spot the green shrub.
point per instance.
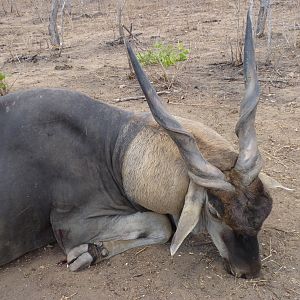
(166, 54)
(3, 85)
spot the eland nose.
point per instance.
(240, 273)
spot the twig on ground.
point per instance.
(141, 250)
(270, 251)
(256, 281)
(232, 79)
(260, 80)
(265, 258)
(282, 230)
(138, 97)
(68, 297)
(293, 291)
(196, 105)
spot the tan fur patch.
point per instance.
(215, 148)
(154, 174)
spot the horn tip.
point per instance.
(173, 249)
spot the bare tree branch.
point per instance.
(120, 6)
(138, 97)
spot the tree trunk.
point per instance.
(262, 17)
(120, 6)
(54, 36)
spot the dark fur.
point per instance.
(61, 154)
(247, 207)
(244, 211)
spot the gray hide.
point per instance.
(61, 155)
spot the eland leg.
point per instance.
(118, 234)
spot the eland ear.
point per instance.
(190, 214)
(271, 183)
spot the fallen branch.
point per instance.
(140, 251)
(138, 97)
(197, 105)
(232, 79)
(260, 80)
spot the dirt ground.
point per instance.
(205, 88)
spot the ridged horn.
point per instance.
(200, 170)
(249, 162)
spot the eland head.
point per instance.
(233, 204)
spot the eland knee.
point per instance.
(160, 226)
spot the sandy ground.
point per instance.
(206, 88)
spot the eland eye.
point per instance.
(215, 206)
(213, 211)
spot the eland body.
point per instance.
(101, 180)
